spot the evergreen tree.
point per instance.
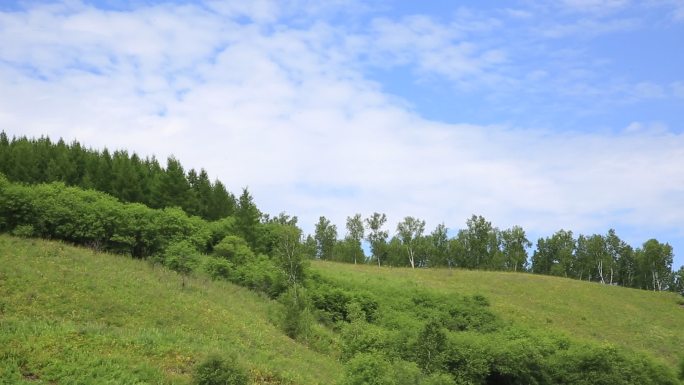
(175, 189)
(247, 219)
(221, 203)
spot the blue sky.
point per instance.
(546, 114)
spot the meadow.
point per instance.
(639, 320)
(72, 316)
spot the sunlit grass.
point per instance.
(639, 320)
(73, 316)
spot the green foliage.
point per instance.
(288, 253)
(297, 320)
(457, 339)
(681, 368)
(430, 347)
(247, 219)
(369, 369)
(585, 365)
(181, 257)
(260, 274)
(438, 379)
(215, 370)
(24, 231)
(376, 236)
(124, 176)
(456, 313)
(325, 236)
(97, 220)
(73, 316)
(359, 337)
(218, 268)
(334, 303)
(234, 248)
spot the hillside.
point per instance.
(72, 316)
(636, 319)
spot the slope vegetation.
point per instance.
(642, 321)
(72, 316)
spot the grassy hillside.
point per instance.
(639, 320)
(72, 316)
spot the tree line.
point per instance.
(422, 338)
(601, 258)
(120, 174)
(130, 179)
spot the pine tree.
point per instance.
(247, 218)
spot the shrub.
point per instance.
(218, 268)
(430, 347)
(181, 257)
(438, 379)
(260, 274)
(215, 370)
(24, 231)
(681, 368)
(584, 364)
(234, 249)
(369, 369)
(359, 337)
(296, 320)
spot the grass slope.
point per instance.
(639, 320)
(72, 316)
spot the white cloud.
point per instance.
(595, 6)
(589, 27)
(287, 112)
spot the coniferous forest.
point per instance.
(382, 334)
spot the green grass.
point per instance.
(72, 316)
(639, 320)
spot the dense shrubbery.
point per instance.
(95, 219)
(435, 339)
(412, 337)
(215, 370)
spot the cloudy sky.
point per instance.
(546, 114)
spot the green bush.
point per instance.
(681, 368)
(585, 365)
(181, 257)
(438, 379)
(333, 303)
(455, 313)
(296, 321)
(359, 337)
(24, 231)
(215, 370)
(369, 369)
(218, 268)
(260, 274)
(234, 248)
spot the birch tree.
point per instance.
(377, 237)
(410, 230)
(355, 232)
(514, 247)
(655, 263)
(325, 236)
(439, 246)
